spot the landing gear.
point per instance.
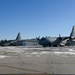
(54, 45)
(49, 44)
(44, 46)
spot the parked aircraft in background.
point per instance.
(58, 41)
(45, 41)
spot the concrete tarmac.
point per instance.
(30, 60)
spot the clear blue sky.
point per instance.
(33, 18)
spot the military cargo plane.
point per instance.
(58, 41)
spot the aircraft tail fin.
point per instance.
(18, 38)
(72, 35)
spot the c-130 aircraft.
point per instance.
(58, 41)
